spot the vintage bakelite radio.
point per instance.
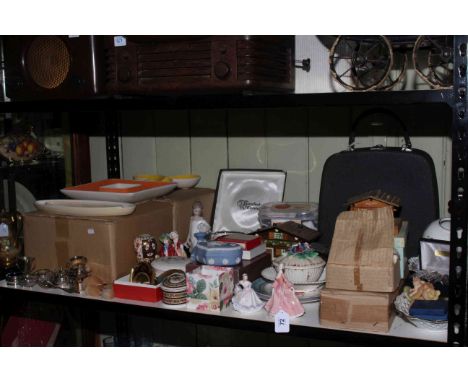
(43, 67)
(152, 65)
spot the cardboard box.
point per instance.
(210, 288)
(123, 288)
(107, 242)
(369, 311)
(181, 202)
(362, 252)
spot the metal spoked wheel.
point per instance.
(361, 63)
(433, 60)
(397, 73)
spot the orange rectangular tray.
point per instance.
(106, 186)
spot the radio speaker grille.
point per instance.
(48, 62)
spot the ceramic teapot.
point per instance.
(10, 245)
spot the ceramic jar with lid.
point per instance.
(301, 267)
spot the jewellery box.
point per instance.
(239, 196)
(123, 288)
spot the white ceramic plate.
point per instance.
(264, 288)
(270, 274)
(126, 197)
(84, 207)
(240, 194)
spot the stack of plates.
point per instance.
(307, 293)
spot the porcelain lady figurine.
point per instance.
(283, 297)
(195, 221)
(245, 299)
(167, 248)
(178, 247)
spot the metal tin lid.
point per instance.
(175, 282)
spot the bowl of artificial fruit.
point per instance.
(20, 148)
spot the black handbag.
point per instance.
(400, 171)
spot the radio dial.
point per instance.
(222, 70)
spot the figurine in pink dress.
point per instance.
(283, 297)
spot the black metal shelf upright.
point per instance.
(456, 99)
(457, 330)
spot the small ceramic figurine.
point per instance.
(423, 290)
(167, 248)
(245, 299)
(145, 248)
(283, 297)
(178, 247)
(195, 221)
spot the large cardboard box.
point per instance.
(362, 252)
(369, 311)
(107, 242)
(182, 201)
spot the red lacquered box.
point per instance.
(134, 291)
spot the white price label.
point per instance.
(120, 41)
(3, 230)
(91, 231)
(281, 322)
(73, 36)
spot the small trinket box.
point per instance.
(123, 288)
(174, 289)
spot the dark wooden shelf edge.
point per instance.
(351, 338)
(233, 101)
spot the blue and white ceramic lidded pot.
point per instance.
(218, 253)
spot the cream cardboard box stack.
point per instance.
(363, 273)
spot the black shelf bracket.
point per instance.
(457, 315)
(113, 125)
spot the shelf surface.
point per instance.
(401, 332)
(233, 101)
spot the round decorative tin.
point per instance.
(145, 247)
(174, 289)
